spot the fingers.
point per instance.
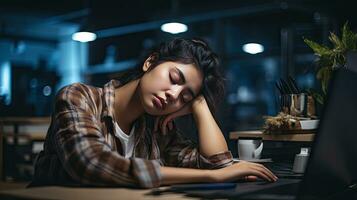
(251, 178)
(271, 174)
(168, 119)
(267, 171)
(171, 125)
(163, 127)
(156, 125)
(161, 123)
(258, 172)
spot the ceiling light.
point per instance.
(84, 36)
(174, 28)
(253, 48)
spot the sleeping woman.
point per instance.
(125, 134)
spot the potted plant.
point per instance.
(330, 59)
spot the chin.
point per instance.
(153, 112)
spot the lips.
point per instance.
(159, 102)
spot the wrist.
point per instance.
(198, 103)
(212, 175)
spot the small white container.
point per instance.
(309, 124)
(300, 161)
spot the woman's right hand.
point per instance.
(242, 170)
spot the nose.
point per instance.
(173, 93)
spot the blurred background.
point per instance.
(40, 53)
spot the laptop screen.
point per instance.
(332, 167)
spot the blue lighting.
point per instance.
(72, 63)
(5, 82)
(47, 90)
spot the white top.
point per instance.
(127, 141)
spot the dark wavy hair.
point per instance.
(186, 51)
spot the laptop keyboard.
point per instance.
(283, 170)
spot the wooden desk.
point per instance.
(299, 137)
(56, 192)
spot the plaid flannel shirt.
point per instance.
(81, 149)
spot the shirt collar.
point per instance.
(109, 94)
(108, 113)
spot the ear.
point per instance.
(148, 61)
(147, 64)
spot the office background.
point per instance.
(38, 54)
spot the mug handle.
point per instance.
(258, 151)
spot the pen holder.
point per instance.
(299, 105)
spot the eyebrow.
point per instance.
(184, 81)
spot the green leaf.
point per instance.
(319, 50)
(330, 59)
(349, 39)
(324, 75)
(339, 45)
(324, 61)
(339, 60)
(319, 98)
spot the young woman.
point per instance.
(103, 137)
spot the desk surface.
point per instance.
(300, 137)
(56, 192)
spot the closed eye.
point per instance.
(173, 79)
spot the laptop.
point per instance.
(332, 167)
(331, 172)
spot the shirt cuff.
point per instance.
(147, 172)
(216, 161)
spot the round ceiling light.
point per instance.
(84, 36)
(174, 27)
(253, 48)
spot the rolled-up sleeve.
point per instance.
(83, 151)
(183, 152)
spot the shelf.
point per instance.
(19, 131)
(25, 120)
(298, 137)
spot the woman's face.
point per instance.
(168, 87)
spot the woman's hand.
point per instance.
(165, 122)
(242, 170)
(246, 171)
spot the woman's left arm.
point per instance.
(211, 139)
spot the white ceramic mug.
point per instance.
(250, 149)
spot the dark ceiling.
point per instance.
(105, 13)
(251, 19)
